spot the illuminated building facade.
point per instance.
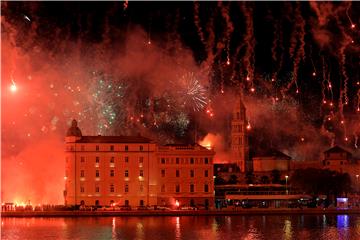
(128, 170)
(185, 175)
(239, 139)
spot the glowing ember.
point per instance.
(13, 87)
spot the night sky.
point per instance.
(171, 71)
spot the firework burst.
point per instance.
(192, 93)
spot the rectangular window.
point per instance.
(141, 148)
(192, 173)
(177, 173)
(82, 189)
(112, 189)
(126, 159)
(97, 147)
(162, 160)
(82, 148)
(97, 159)
(126, 173)
(163, 188)
(206, 188)
(112, 160)
(111, 147)
(162, 172)
(192, 187)
(112, 173)
(126, 148)
(141, 188)
(206, 160)
(141, 202)
(177, 188)
(141, 160)
(82, 173)
(177, 160)
(206, 173)
(191, 160)
(82, 159)
(141, 173)
(97, 189)
(126, 188)
(97, 173)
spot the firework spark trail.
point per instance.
(277, 43)
(297, 41)
(126, 4)
(249, 39)
(352, 25)
(198, 23)
(229, 27)
(274, 42)
(236, 64)
(344, 44)
(208, 63)
(323, 80)
(358, 101)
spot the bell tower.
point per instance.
(239, 138)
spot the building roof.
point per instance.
(185, 145)
(337, 149)
(114, 139)
(274, 153)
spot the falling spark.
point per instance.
(27, 18)
(13, 87)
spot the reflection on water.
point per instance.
(185, 227)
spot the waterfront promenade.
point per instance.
(277, 211)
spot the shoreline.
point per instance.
(153, 213)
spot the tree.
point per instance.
(232, 179)
(321, 181)
(249, 177)
(265, 179)
(219, 181)
(275, 176)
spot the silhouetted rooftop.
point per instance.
(273, 153)
(337, 149)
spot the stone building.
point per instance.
(239, 137)
(134, 170)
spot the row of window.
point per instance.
(191, 188)
(97, 202)
(111, 148)
(112, 173)
(177, 173)
(184, 160)
(141, 188)
(238, 141)
(112, 188)
(141, 173)
(142, 202)
(112, 159)
(238, 128)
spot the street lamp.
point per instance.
(357, 182)
(286, 179)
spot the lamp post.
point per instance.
(357, 183)
(286, 179)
